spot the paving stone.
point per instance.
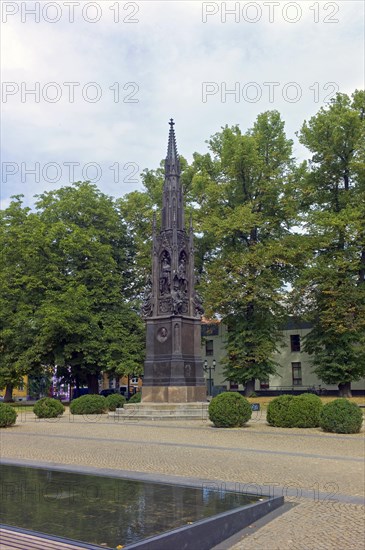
(309, 466)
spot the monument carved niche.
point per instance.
(147, 304)
(177, 341)
(165, 277)
(183, 282)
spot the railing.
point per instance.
(317, 390)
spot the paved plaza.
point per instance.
(321, 475)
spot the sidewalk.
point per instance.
(322, 474)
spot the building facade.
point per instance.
(293, 375)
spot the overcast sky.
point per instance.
(108, 76)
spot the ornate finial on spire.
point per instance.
(172, 123)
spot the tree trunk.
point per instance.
(344, 390)
(92, 383)
(249, 387)
(8, 397)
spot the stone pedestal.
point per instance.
(174, 394)
(173, 371)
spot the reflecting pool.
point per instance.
(106, 511)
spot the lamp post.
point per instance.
(209, 369)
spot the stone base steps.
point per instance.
(163, 411)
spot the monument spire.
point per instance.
(173, 200)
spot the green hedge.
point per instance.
(48, 408)
(341, 416)
(289, 411)
(136, 398)
(88, 404)
(305, 410)
(229, 410)
(115, 401)
(7, 415)
(278, 411)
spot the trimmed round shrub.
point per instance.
(48, 408)
(136, 398)
(300, 411)
(7, 415)
(341, 416)
(229, 410)
(278, 411)
(88, 404)
(305, 411)
(115, 401)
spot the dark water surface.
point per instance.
(104, 510)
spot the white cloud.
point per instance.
(168, 54)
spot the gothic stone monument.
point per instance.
(173, 371)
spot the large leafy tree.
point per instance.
(247, 206)
(77, 295)
(21, 291)
(331, 286)
(89, 320)
(138, 209)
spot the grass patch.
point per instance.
(20, 408)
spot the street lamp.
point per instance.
(209, 369)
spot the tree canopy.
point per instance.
(75, 285)
(273, 237)
(246, 207)
(21, 289)
(330, 288)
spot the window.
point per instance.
(295, 342)
(134, 380)
(210, 330)
(21, 386)
(233, 386)
(297, 373)
(209, 347)
(264, 384)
